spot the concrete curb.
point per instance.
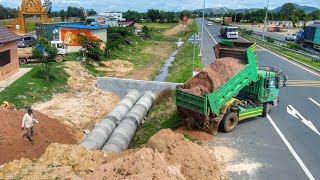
(121, 86)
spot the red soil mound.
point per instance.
(15, 145)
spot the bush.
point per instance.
(92, 45)
(270, 40)
(146, 31)
(292, 45)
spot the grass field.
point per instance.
(33, 87)
(30, 26)
(159, 26)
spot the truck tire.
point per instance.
(59, 58)
(22, 61)
(265, 109)
(229, 121)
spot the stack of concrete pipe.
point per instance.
(103, 130)
(122, 136)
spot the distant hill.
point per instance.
(307, 9)
(223, 10)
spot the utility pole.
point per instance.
(204, 5)
(265, 20)
(235, 15)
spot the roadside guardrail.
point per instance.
(314, 58)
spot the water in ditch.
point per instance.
(165, 69)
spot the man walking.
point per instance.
(27, 122)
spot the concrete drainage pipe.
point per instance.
(122, 136)
(103, 130)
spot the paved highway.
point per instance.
(286, 144)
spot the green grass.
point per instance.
(160, 26)
(162, 115)
(302, 59)
(33, 87)
(181, 70)
(30, 26)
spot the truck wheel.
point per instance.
(265, 109)
(22, 61)
(229, 121)
(59, 58)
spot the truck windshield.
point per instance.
(232, 30)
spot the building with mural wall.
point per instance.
(68, 34)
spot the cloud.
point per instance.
(169, 5)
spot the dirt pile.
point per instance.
(197, 135)
(84, 105)
(80, 78)
(15, 145)
(195, 161)
(213, 77)
(118, 68)
(143, 164)
(58, 162)
(175, 30)
(168, 155)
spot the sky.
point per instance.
(168, 5)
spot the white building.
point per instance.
(113, 15)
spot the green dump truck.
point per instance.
(247, 94)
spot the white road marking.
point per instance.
(314, 102)
(291, 110)
(293, 152)
(208, 32)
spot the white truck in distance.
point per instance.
(229, 32)
(25, 54)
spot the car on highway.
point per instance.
(291, 37)
(26, 41)
(209, 23)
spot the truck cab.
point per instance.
(265, 91)
(229, 32)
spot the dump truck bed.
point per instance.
(218, 98)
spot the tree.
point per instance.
(153, 14)
(62, 14)
(91, 44)
(132, 16)
(46, 53)
(315, 15)
(287, 10)
(48, 5)
(91, 12)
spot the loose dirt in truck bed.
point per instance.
(84, 105)
(15, 145)
(168, 155)
(213, 77)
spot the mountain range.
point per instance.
(223, 10)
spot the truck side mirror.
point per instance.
(285, 81)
